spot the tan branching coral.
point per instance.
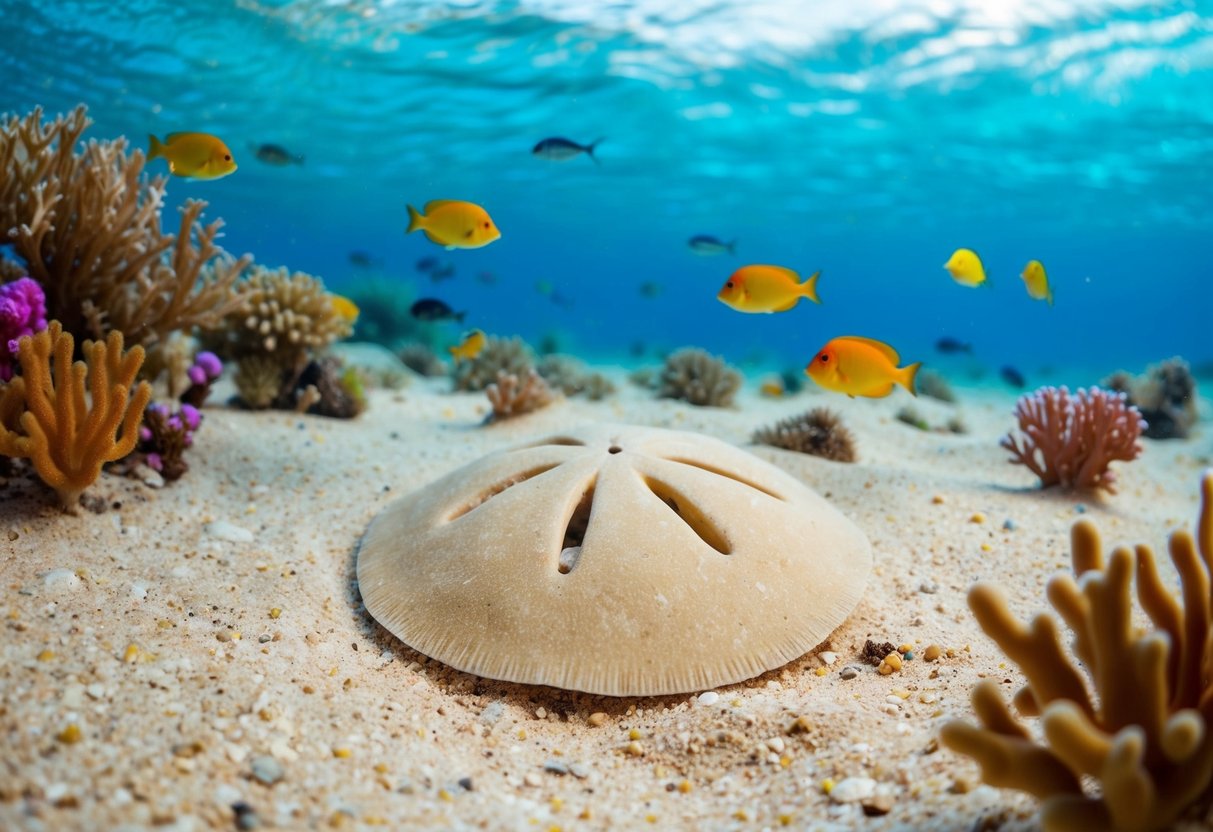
(86, 224)
(699, 378)
(1071, 439)
(67, 435)
(513, 396)
(819, 432)
(1142, 730)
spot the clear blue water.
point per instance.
(868, 143)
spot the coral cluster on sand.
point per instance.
(86, 225)
(699, 378)
(422, 360)
(70, 418)
(1127, 743)
(510, 395)
(1071, 439)
(511, 356)
(22, 312)
(818, 432)
(573, 378)
(1165, 395)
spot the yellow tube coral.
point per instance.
(1142, 732)
(67, 435)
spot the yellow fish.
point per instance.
(773, 389)
(860, 367)
(196, 155)
(345, 307)
(767, 289)
(454, 224)
(1037, 282)
(965, 267)
(469, 347)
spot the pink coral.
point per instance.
(1071, 439)
(22, 312)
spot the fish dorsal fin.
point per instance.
(438, 203)
(884, 349)
(786, 272)
(172, 137)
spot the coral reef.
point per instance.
(326, 388)
(22, 312)
(260, 380)
(1070, 440)
(164, 436)
(699, 378)
(819, 432)
(512, 396)
(202, 373)
(66, 436)
(1165, 395)
(511, 356)
(1138, 724)
(422, 360)
(86, 225)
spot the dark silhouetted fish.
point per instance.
(950, 345)
(487, 278)
(1013, 377)
(426, 264)
(275, 154)
(557, 149)
(707, 244)
(650, 289)
(432, 309)
(363, 259)
(443, 272)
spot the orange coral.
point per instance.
(67, 437)
(1136, 723)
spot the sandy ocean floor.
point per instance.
(208, 641)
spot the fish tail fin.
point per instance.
(732, 247)
(906, 376)
(416, 220)
(154, 147)
(809, 287)
(589, 148)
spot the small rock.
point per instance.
(555, 767)
(1009, 525)
(880, 804)
(149, 477)
(579, 771)
(828, 657)
(708, 697)
(928, 587)
(853, 790)
(597, 719)
(492, 712)
(531, 779)
(465, 783)
(95, 691)
(246, 817)
(223, 530)
(932, 652)
(849, 672)
(266, 769)
(61, 579)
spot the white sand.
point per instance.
(370, 733)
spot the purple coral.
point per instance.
(22, 312)
(164, 436)
(1070, 440)
(202, 374)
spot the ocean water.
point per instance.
(865, 140)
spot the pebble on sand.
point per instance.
(230, 532)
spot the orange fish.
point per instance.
(773, 388)
(860, 367)
(767, 289)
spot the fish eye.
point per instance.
(825, 359)
(486, 225)
(227, 157)
(729, 285)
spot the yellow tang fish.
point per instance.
(470, 347)
(773, 389)
(965, 267)
(196, 155)
(767, 289)
(1037, 282)
(454, 224)
(345, 307)
(860, 367)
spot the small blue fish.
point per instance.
(557, 149)
(708, 245)
(1013, 377)
(950, 345)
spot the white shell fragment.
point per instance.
(615, 560)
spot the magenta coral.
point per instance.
(1070, 439)
(22, 312)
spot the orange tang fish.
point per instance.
(860, 367)
(767, 289)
